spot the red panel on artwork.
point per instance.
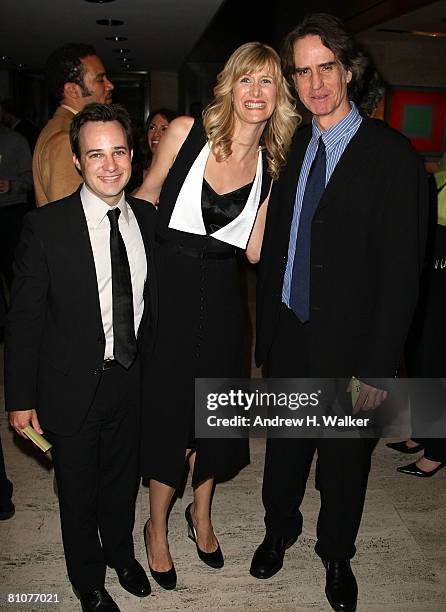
(400, 98)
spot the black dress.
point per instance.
(201, 330)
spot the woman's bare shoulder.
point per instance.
(181, 126)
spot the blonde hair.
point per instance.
(218, 116)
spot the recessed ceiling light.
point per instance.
(414, 32)
(21, 65)
(124, 60)
(116, 38)
(109, 22)
(430, 34)
(121, 50)
(6, 57)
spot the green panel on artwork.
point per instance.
(417, 120)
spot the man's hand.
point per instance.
(20, 419)
(369, 397)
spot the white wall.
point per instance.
(414, 61)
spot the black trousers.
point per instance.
(428, 405)
(11, 220)
(97, 478)
(5, 484)
(343, 465)
(434, 448)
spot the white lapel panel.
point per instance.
(187, 214)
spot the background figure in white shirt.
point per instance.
(15, 184)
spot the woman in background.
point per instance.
(426, 348)
(212, 179)
(156, 125)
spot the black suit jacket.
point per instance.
(367, 245)
(54, 335)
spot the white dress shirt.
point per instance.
(98, 224)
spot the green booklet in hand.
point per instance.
(38, 440)
(355, 389)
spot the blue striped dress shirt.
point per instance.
(335, 140)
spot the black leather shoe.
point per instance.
(96, 601)
(166, 580)
(213, 559)
(413, 470)
(7, 511)
(134, 579)
(268, 558)
(402, 447)
(341, 588)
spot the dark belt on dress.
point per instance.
(203, 253)
(109, 363)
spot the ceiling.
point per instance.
(427, 21)
(160, 33)
(163, 34)
(239, 22)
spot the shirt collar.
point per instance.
(333, 135)
(72, 110)
(96, 209)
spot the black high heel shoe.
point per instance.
(166, 580)
(413, 470)
(402, 447)
(213, 559)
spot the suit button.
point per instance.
(96, 371)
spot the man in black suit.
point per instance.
(337, 287)
(82, 319)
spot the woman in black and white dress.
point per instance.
(212, 179)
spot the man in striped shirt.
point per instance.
(337, 288)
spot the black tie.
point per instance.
(300, 280)
(124, 340)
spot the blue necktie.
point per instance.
(300, 281)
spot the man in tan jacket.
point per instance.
(76, 76)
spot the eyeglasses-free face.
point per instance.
(321, 81)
